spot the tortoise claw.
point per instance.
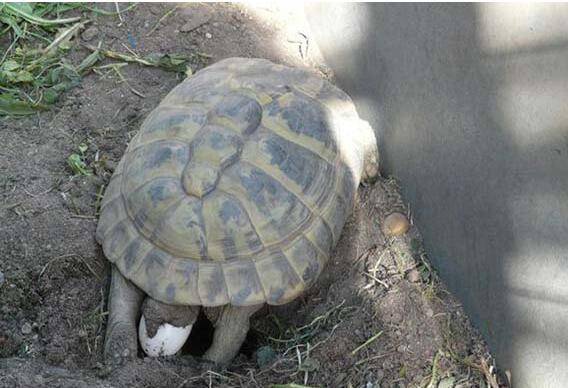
(121, 344)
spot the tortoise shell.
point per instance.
(235, 189)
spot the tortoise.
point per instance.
(231, 196)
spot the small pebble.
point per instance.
(265, 355)
(447, 382)
(429, 312)
(414, 276)
(339, 378)
(395, 317)
(208, 35)
(90, 33)
(396, 224)
(39, 380)
(26, 328)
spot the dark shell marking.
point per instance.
(234, 190)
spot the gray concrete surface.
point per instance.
(471, 105)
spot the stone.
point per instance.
(413, 276)
(265, 355)
(90, 33)
(195, 18)
(26, 328)
(396, 224)
(447, 382)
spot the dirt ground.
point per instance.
(378, 316)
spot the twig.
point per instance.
(323, 316)
(71, 30)
(42, 193)
(11, 47)
(130, 50)
(366, 343)
(109, 13)
(117, 55)
(373, 358)
(377, 280)
(118, 12)
(161, 20)
(99, 199)
(38, 20)
(9, 207)
(435, 373)
(115, 68)
(66, 257)
(83, 216)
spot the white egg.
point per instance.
(167, 341)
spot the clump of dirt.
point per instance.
(378, 315)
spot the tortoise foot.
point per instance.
(121, 343)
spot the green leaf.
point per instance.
(10, 105)
(77, 165)
(20, 10)
(170, 62)
(24, 76)
(26, 8)
(50, 96)
(12, 22)
(83, 147)
(10, 65)
(88, 62)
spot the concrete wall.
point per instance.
(471, 105)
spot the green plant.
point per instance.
(77, 162)
(33, 69)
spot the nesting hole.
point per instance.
(200, 338)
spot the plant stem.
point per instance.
(38, 20)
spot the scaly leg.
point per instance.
(231, 328)
(121, 340)
(368, 142)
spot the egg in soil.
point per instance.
(168, 340)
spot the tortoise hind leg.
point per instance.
(371, 153)
(360, 151)
(231, 328)
(121, 341)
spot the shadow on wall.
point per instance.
(469, 103)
